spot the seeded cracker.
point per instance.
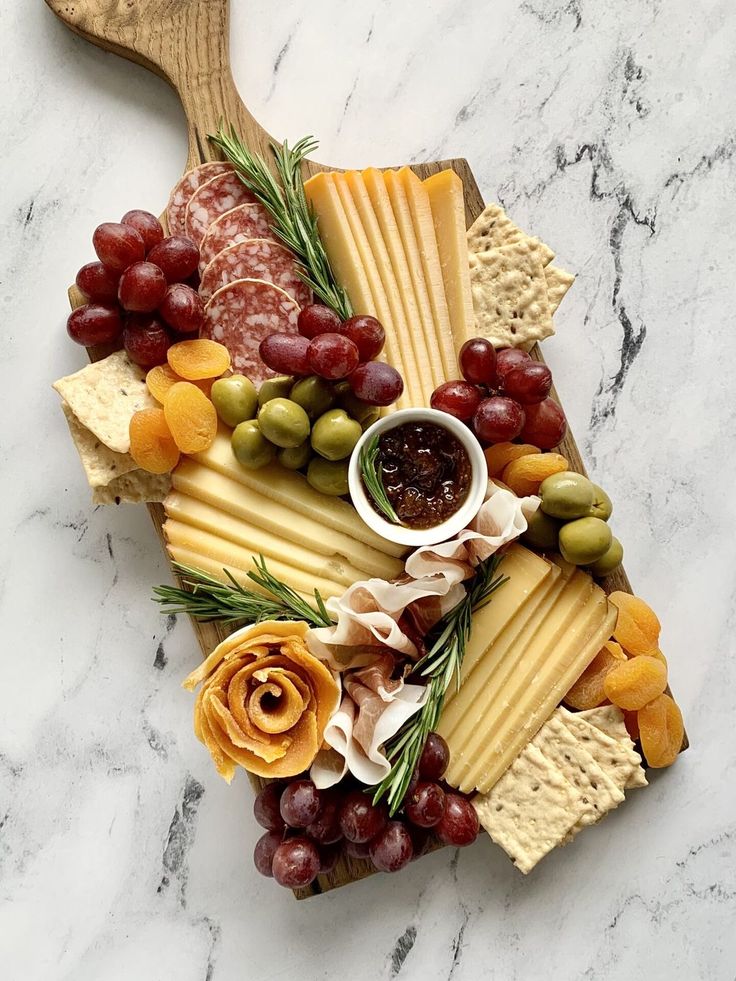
(493, 229)
(559, 282)
(610, 720)
(617, 757)
(101, 464)
(136, 487)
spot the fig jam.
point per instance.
(426, 472)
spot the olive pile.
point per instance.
(306, 424)
(573, 520)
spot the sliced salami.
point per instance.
(212, 199)
(255, 258)
(179, 199)
(246, 221)
(241, 314)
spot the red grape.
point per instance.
(392, 849)
(426, 805)
(326, 828)
(498, 420)
(376, 383)
(296, 862)
(459, 824)
(360, 820)
(266, 807)
(528, 383)
(317, 319)
(545, 425)
(477, 360)
(147, 225)
(357, 849)
(94, 323)
(177, 257)
(264, 851)
(412, 784)
(98, 283)
(329, 856)
(285, 353)
(420, 839)
(367, 333)
(142, 287)
(146, 341)
(333, 356)
(117, 245)
(458, 398)
(300, 804)
(182, 309)
(508, 358)
(435, 757)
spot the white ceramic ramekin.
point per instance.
(447, 529)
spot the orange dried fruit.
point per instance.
(633, 683)
(151, 444)
(160, 379)
(191, 417)
(615, 649)
(661, 731)
(637, 627)
(526, 473)
(588, 691)
(501, 454)
(198, 359)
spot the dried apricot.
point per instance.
(191, 417)
(160, 379)
(633, 683)
(661, 731)
(526, 473)
(501, 454)
(615, 649)
(637, 627)
(151, 444)
(198, 359)
(588, 691)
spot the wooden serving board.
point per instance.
(186, 42)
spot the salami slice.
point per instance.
(179, 199)
(241, 314)
(246, 221)
(255, 258)
(212, 199)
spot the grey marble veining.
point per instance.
(607, 128)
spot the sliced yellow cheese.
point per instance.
(185, 556)
(195, 540)
(225, 494)
(292, 490)
(421, 216)
(447, 200)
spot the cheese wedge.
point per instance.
(447, 200)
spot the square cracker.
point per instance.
(101, 464)
(135, 487)
(104, 395)
(493, 229)
(509, 292)
(610, 720)
(617, 757)
(530, 810)
(559, 282)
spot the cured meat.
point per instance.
(255, 258)
(246, 221)
(212, 199)
(177, 207)
(241, 314)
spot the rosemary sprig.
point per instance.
(206, 598)
(372, 474)
(439, 665)
(292, 218)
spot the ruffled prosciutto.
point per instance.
(264, 701)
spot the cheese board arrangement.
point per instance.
(327, 387)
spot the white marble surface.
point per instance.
(606, 127)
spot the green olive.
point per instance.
(274, 388)
(313, 394)
(335, 434)
(354, 406)
(284, 422)
(584, 541)
(250, 446)
(541, 531)
(602, 507)
(328, 476)
(566, 495)
(610, 560)
(235, 399)
(370, 419)
(295, 457)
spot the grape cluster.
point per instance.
(306, 830)
(504, 395)
(139, 291)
